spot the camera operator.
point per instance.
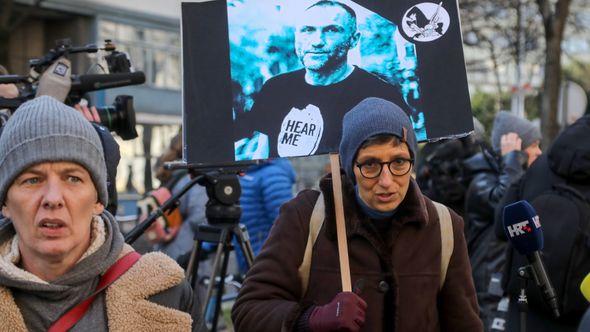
(58, 242)
(7, 90)
(112, 154)
(90, 113)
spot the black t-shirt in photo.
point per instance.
(284, 92)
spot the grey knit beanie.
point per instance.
(373, 116)
(506, 122)
(46, 130)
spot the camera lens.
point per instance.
(119, 117)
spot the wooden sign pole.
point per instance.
(340, 223)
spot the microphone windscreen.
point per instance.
(522, 227)
(585, 287)
(56, 80)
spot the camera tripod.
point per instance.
(222, 235)
(223, 215)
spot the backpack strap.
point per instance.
(446, 239)
(317, 220)
(315, 225)
(72, 316)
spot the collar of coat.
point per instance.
(126, 299)
(411, 211)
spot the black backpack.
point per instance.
(564, 213)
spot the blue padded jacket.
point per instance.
(264, 189)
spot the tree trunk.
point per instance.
(496, 69)
(550, 96)
(554, 22)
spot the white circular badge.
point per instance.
(301, 132)
(425, 22)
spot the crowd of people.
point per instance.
(414, 264)
(60, 245)
(511, 169)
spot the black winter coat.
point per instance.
(487, 253)
(490, 183)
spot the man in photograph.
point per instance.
(301, 111)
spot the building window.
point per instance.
(156, 52)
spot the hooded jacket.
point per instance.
(152, 295)
(397, 271)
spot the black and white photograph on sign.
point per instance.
(298, 71)
(295, 67)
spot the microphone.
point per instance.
(55, 81)
(93, 82)
(585, 287)
(522, 227)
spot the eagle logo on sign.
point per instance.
(425, 22)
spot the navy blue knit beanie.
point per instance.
(373, 116)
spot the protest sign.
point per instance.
(273, 78)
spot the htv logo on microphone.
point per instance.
(519, 228)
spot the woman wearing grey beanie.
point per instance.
(400, 277)
(58, 245)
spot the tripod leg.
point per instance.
(212, 277)
(193, 264)
(220, 287)
(244, 240)
(193, 279)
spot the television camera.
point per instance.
(119, 117)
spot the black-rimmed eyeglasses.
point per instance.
(398, 166)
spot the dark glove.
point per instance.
(346, 312)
